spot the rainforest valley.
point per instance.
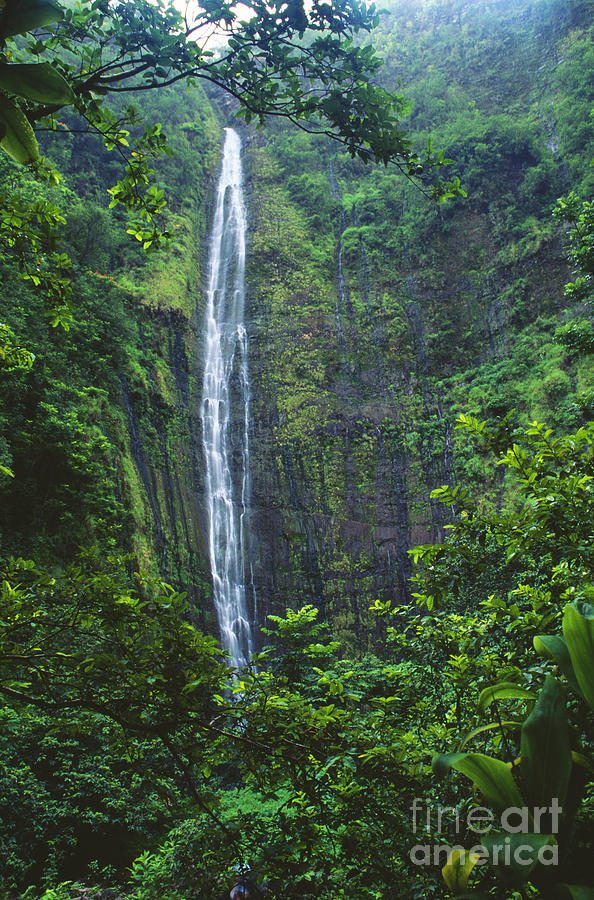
(391, 471)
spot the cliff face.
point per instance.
(377, 318)
(331, 481)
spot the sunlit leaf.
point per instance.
(458, 869)
(505, 690)
(492, 776)
(483, 729)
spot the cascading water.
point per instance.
(225, 408)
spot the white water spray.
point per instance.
(225, 408)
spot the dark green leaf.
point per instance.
(20, 16)
(544, 747)
(37, 81)
(19, 141)
(554, 647)
(518, 851)
(578, 630)
(577, 891)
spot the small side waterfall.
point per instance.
(226, 406)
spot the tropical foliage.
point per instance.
(423, 569)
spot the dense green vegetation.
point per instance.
(108, 400)
(402, 356)
(332, 752)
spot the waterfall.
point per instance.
(226, 407)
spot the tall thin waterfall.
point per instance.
(226, 406)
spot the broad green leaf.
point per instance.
(6, 471)
(36, 81)
(554, 647)
(578, 631)
(578, 891)
(19, 140)
(492, 776)
(505, 690)
(492, 726)
(544, 747)
(20, 16)
(458, 868)
(516, 851)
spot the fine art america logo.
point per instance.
(504, 845)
